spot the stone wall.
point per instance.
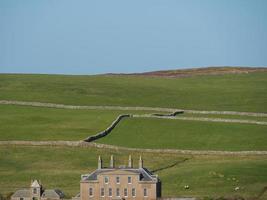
(107, 130)
(119, 148)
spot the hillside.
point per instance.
(207, 176)
(237, 92)
(190, 135)
(196, 143)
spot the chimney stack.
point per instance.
(140, 162)
(99, 162)
(130, 162)
(111, 162)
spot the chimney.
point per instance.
(130, 162)
(140, 162)
(99, 162)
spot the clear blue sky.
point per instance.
(88, 37)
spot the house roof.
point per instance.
(22, 193)
(35, 183)
(53, 194)
(145, 174)
(49, 194)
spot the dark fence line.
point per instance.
(107, 130)
(169, 114)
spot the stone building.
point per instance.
(118, 183)
(37, 192)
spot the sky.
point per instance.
(123, 36)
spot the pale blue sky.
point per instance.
(88, 37)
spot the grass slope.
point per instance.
(35, 123)
(193, 135)
(238, 92)
(29, 123)
(206, 175)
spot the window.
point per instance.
(20, 198)
(90, 192)
(118, 192)
(102, 192)
(34, 191)
(145, 192)
(106, 180)
(125, 192)
(117, 179)
(133, 192)
(110, 192)
(129, 179)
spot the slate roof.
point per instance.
(22, 193)
(53, 194)
(49, 194)
(145, 174)
(35, 184)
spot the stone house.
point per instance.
(37, 192)
(118, 183)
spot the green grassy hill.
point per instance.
(37, 123)
(212, 176)
(189, 135)
(238, 92)
(61, 167)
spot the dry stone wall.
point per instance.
(118, 148)
(52, 105)
(106, 131)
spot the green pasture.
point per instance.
(189, 135)
(59, 167)
(237, 92)
(31, 123)
(36, 123)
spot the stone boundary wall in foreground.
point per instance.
(118, 148)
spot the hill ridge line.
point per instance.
(119, 148)
(140, 108)
(195, 71)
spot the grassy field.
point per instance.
(206, 175)
(238, 92)
(61, 167)
(193, 135)
(35, 123)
